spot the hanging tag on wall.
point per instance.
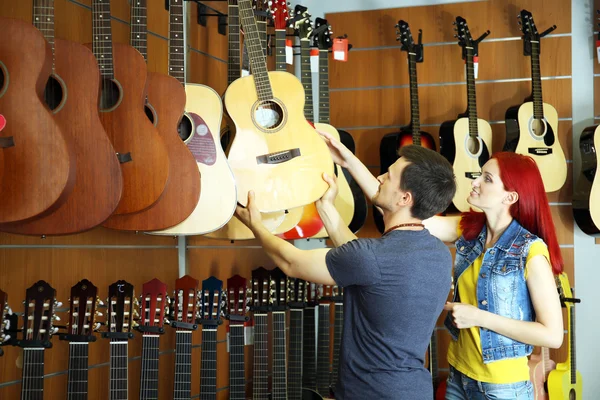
(598, 51)
(289, 52)
(340, 49)
(314, 60)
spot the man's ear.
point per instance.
(406, 199)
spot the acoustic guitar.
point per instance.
(262, 297)
(467, 141)
(141, 151)
(5, 311)
(540, 366)
(165, 106)
(586, 193)
(72, 93)
(38, 170)
(411, 134)
(532, 127)
(565, 381)
(237, 307)
(211, 306)
(275, 152)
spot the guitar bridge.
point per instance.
(279, 157)
(472, 175)
(540, 151)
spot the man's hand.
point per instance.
(331, 193)
(250, 216)
(340, 154)
(464, 315)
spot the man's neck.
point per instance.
(400, 218)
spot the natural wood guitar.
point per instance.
(540, 366)
(38, 170)
(275, 152)
(586, 193)
(467, 141)
(532, 127)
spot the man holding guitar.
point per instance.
(394, 286)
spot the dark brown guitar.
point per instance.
(166, 103)
(37, 171)
(72, 93)
(141, 151)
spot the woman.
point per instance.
(505, 298)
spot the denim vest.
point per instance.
(501, 287)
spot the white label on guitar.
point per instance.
(248, 335)
(338, 55)
(598, 51)
(228, 340)
(289, 52)
(476, 66)
(314, 61)
(201, 130)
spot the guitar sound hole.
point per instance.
(150, 113)
(572, 395)
(473, 146)
(185, 128)
(538, 128)
(110, 95)
(2, 88)
(268, 115)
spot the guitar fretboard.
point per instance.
(234, 64)
(279, 357)
(118, 388)
(208, 371)
(572, 343)
(306, 79)
(139, 27)
(471, 93)
(183, 365)
(338, 326)
(414, 99)
(237, 364)
(324, 86)
(43, 20)
(149, 375)
(32, 387)
(280, 60)
(177, 41)
(309, 359)
(77, 386)
(102, 38)
(433, 364)
(260, 384)
(536, 81)
(295, 354)
(323, 349)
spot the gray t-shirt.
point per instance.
(395, 288)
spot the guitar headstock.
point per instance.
(185, 303)
(153, 307)
(280, 13)
(325, 292)
(279, 281)
(312, 294)
(465, 40)
(404, 36)
(211, 297)
(564, 287)
(302, 22)
(323, 34)
(297, 292)
(237, 299)
(40, 304)
(530, 31)
(261, 10)
(82, 310)
(121, 305)
(4, 322)
(262, 290)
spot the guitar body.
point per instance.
(538, 376)
(440, 391)
(388, 154)
(38, 171)
(283, 185)
(130, 131)
(545, 150)
(586, 193)
(276, 222)
(454, 137)
(360, 201)
(75, 92)
(180, 197)
(308, 394)
(560, 386)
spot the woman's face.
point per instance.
(488, 190)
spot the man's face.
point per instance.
(389, 194)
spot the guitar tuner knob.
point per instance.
(55, 318)
(99, 314)
(57, 303)
(54, 330)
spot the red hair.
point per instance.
(520, 174)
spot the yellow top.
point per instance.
(465, 354)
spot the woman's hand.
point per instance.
(464, 315)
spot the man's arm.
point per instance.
(338, 231)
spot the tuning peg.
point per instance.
(55, 318)
(167, 321)
(453, 22)
(134, 324)
(100, 303)
(99, 314)
(57, 304)
(54, 330)
(97, 326)
(455, 36)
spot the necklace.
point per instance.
(402, 226)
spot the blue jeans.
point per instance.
(461, 387)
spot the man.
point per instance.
(394, 287)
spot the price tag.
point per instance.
(340, 49)
(475, 67)
(289, 52)
(314, 60)
(598, 51)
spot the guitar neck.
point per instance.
(43, 20)
(102, 38)
(536, 81)
(279, 357)
(295, 354)
(471, 93)
(234, 68)
(139, 27)
(414, 99)
(32, 387)
(118, 388)
(433, 363)
(571, 349)
(183, 365)
(309, 360)
(208, 371)
(260, 386)
(337, 339)
(237, 371)
(324, 86)
(149, 375)
(280, 37)
(177, 41)
(306, 79)
(323, 350)
(77, 387)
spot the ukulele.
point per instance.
(183, 319)
(140, 149)
(165, 105)
(309, 354)
(586, 193)
(72, 94)
(121, 305)
(81, 326)
(38, 168)
(5, 311)
(262, 292)
(275, 152)
(411, 134)
(467, 141)
(237, 307)
(532, 127)
(40, 304)
(540, 366)
(565, 381)
(153, 306)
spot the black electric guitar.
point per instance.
(467, 141)
(80, 332)
(410, 134)
(586, 193)
(262, 292)
(40, 304)
(279, 349)
(121, 304)
(183, 319)
(237, 306)
(153, 306)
